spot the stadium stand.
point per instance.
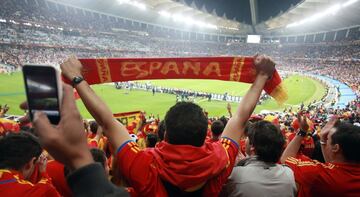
(308, 151)
(52, 33)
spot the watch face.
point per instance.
(77, 80)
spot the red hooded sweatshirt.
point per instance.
(187, 167)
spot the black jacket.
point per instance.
(90, 180)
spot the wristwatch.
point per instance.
(76, 80)
(301, 133)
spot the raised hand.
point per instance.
(302, 119)
(264, 65)
(42, 161)
(326, 129)
(67, 141)
(71, 68)
(228, 107)
(3, 110)
(235, 128)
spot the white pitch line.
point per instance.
(202, 100)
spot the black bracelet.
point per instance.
(301, 133)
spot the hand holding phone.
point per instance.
(43, 91)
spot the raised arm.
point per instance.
(228, 107)
(3, 110)
(293, 147)
(235, 127)
(67, 144)
(324, 136)
(114, 130)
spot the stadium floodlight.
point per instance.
(192, 21)
(349, 3)
(330, 11)
(177, 17)
(124, 1)
(333, 10)
(141, 6)
(208, 25)
(13, 22)
(186, 20)
(165, 14)
(230, 28)
(137, 4)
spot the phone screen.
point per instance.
(42, 91)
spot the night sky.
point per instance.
(240, 9)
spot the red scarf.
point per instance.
(186, 166)
(239, 69)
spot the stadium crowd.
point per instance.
(45, 47)
(42, 32)
(186, 154)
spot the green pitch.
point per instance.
(300, 89)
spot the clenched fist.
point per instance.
(264, 65)
(71, 68)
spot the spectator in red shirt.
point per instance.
(19, 153)
(151, 140)
(182, 164)
(57, 172)
(95, 135)
(100, 157)
(340, 174)
(161, 130)
(217, 127)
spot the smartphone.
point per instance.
(43, 90)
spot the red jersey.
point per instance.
(307, 144)
(36, 175)
(102, 143)
(211, 140)
(92, 142)
(242, 144)
(192, 168)
(55, 170)
(325, 179)
(13, 184)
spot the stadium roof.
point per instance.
(164, 12)
(315, 16)
(256, 16)
(193, 12)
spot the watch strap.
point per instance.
(301, 133)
